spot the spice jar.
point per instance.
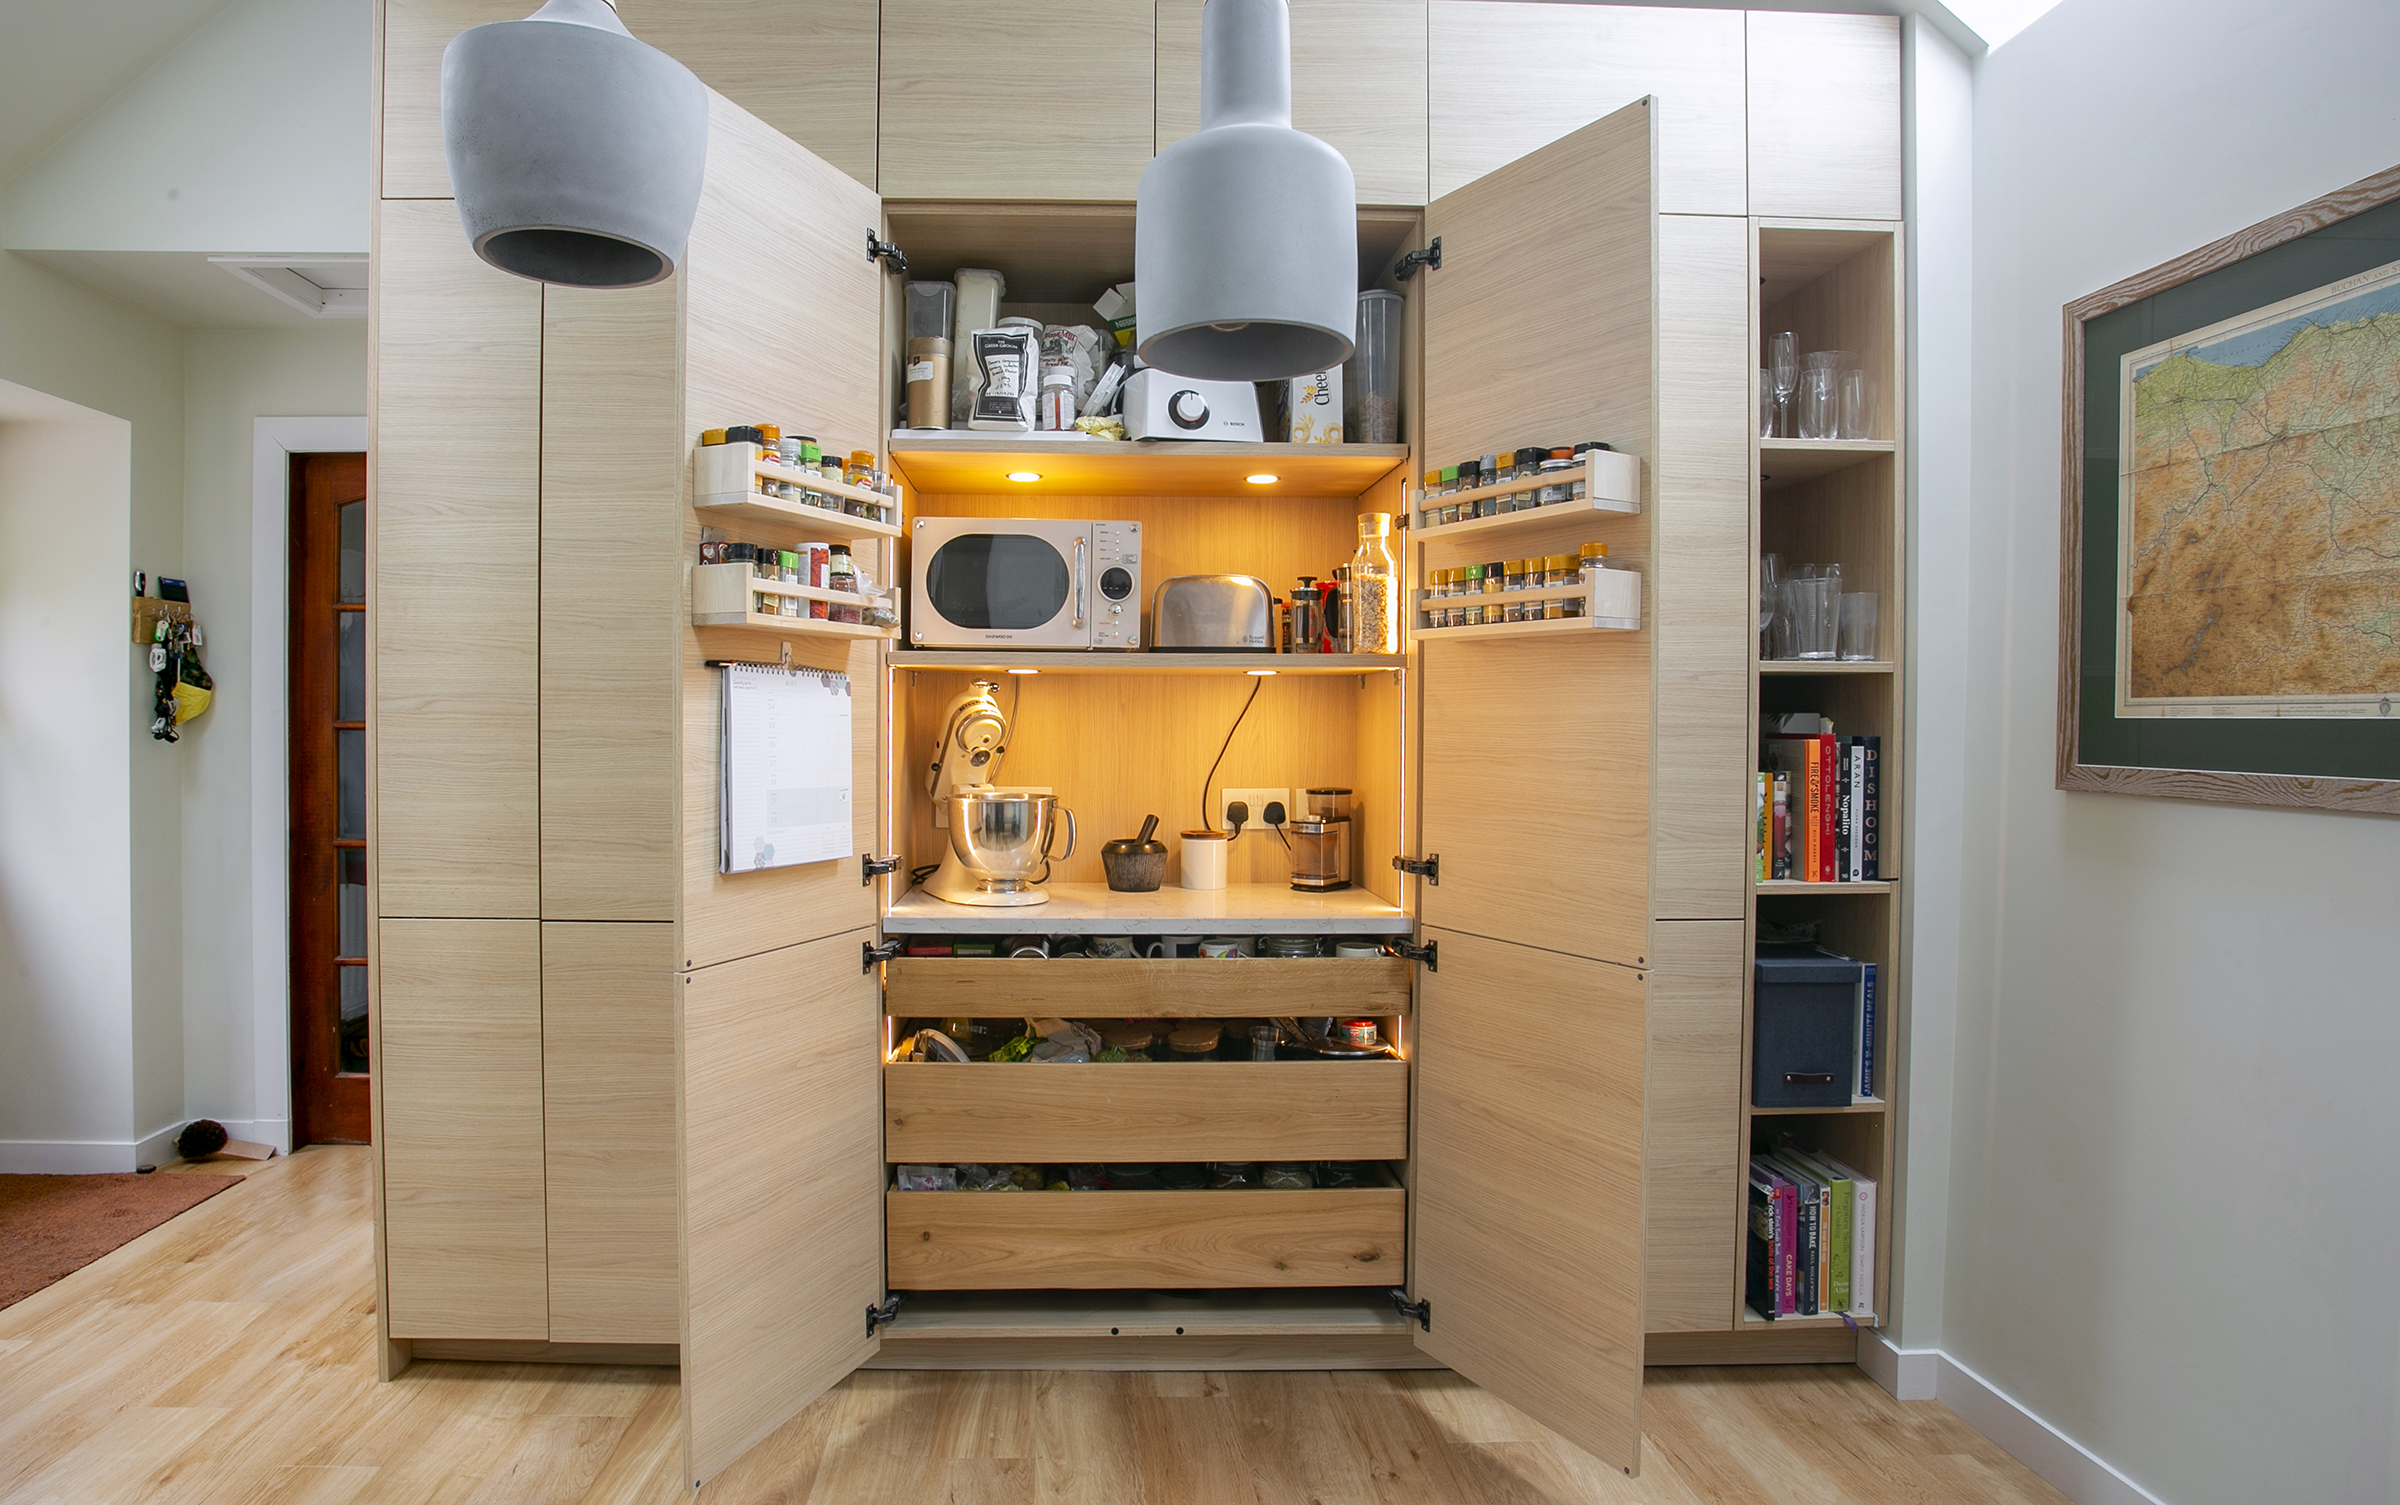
(1519, 574)
(1196, 1041)
(1594, 556)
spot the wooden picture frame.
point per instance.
(2186, 279)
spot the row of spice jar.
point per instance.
(803, 454)
(1548, 476)
(823, 566)
(1220, 1175)
(1490, 585)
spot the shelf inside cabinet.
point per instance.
(721, 597)
(981, 464)
(1092, 909)
(970, 661)
(725, 479)
(1796, 886)
(1870, 1105)
(1753, 1322)
(1787, 462)
(1612, 485)
(1823, 666)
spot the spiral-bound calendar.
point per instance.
(784, 768)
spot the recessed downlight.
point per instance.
(1262, 479)
(1024, 475)
(1024, 671)
(1261, 673)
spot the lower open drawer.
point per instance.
(1120, 1240)
(941, 1112)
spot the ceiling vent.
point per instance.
(322, 287)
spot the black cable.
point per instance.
(1206, 824)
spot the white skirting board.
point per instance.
(2065, 1464)
(93, 1157)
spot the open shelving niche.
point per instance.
(1825, 500)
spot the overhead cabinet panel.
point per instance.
(1825, 116)
(1526, 1229)
(460, 1011)
(1505, 78)
(1358, 82)
(457, 514)
(414, 34)
(808, 70)
(1039, 99)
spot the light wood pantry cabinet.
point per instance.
(633, 1108)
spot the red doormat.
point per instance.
(52, 1226)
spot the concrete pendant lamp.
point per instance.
(1245, 239)
(575, 151)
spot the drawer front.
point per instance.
(1145, 1111)
(1144, 988)
(1117, 1240)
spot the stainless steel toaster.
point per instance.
(1213, 614)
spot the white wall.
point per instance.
(2171, 1230)
(231, 379)
(251, 137)
(67, 1089)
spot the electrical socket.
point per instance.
(1256, 799)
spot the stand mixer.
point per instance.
(999, 838)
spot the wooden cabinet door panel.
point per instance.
(1508, 77)
(1039, 99)
(1526, 1178)
(1824, 116)
(459, 1015)
(1536, 752)
(455, 508)
(1358, 82)
(808, 70)
(780, 1098)
(1692, 1152)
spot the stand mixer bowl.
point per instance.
(1003, 838)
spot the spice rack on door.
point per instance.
(721, 597)
(1612, 483)
(725, 481)
(1611, 602)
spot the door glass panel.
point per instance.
(1003, 580)
(350, 750)
(351, 701)
(354, 551)
(354, 905)
(350, 1034)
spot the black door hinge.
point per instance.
(1431, 256)
(1420, 1312)
(1430, 869)
(879, 249)
(872, 868)
(869, 954)
(1429, 953)
(881, 1316)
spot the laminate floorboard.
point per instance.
(226, 1357)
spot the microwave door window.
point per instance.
(997, 581)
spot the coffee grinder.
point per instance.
(1320, 840)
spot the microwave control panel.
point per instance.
(1116, 585)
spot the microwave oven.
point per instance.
(1024, 582)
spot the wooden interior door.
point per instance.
(328, 786)
(1526, 1150)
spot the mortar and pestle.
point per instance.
(1135, 864)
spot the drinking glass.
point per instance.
(1817, 405)
(1858, 627)
(1857, 405)
(1783, 361)
(1770, 580)
(1814, 602)
(1766, 403)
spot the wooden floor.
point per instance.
(224, 1359)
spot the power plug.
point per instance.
(1252, 803)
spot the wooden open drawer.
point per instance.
(942, 1112)
(1128, 988)
(1120, 1240)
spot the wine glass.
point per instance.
(1783, 361)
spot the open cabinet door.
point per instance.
(1526, 1213)
(778, 1026)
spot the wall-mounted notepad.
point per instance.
(784, 768)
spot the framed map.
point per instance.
(2230, 571)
